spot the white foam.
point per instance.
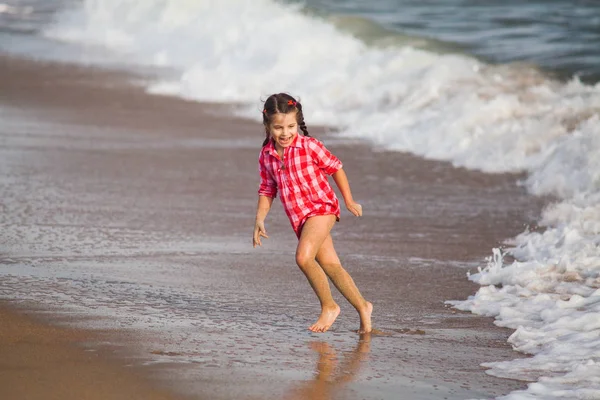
(448, 107)
(551, 294)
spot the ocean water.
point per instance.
(493, 86)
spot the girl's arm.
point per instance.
(341, 180)
(262, 209)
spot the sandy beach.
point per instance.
(138, 180)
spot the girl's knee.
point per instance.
(304, 258)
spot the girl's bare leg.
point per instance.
(315, 231)
(330, 262)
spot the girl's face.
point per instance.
(283, 129)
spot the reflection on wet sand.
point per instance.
(332, 371)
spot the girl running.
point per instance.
(296, 167)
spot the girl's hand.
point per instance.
(354, 208)
(259, 230)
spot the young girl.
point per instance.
(297, 167)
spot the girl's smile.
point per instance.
(283, 129)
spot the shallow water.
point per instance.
(134, 227)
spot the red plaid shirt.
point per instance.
(300, 178)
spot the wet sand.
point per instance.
(158, 165)
(43, 361)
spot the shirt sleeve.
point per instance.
(268, 186)
(322, 157)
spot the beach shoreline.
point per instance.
(85, 98)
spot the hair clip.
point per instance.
(291, 103)
(264, 111)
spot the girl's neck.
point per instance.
(279, 150)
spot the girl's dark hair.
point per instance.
(282, 103)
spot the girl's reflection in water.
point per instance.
(332, 371)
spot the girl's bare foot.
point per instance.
(365, 319)
(328, 316)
